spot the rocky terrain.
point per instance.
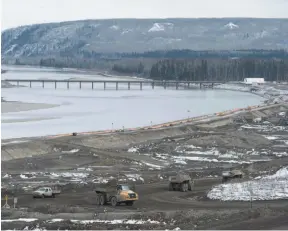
(138, 35)
(78, 164)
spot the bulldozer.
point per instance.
(181, 182)
(232, 174)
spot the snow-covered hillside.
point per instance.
(270, 187)
(129, 35)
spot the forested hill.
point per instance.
(140, 35)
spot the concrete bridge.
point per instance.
(116, 83)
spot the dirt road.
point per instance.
(79, 164)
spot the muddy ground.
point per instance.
(77, 165)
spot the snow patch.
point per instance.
(11, 49)
(280, 154)
(6, 176)
(14, 142)
(271, 137)
(85, 169)
(56, 220)
(20, 219)
(263, 188)
(126, 31)
(69, 175)
(179, 161)
(133, 149)
(231, 26)
(22, 176)
(114, 27)
(130, 222)
(71, 151)
(36, 229)
(153, 165)
(160, 27)
(102, 180)
(134, 177)
(204, 159)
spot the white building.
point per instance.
(254, 81)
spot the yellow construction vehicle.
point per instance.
(116, 194)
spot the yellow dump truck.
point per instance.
(116, 194)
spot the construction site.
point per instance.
(213, 173)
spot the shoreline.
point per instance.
(209, 118)
(205, 119)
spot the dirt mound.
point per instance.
(237, 139)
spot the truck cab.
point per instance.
(116, 194)
(126, 193)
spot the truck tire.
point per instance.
(114, 201)
(186, 187)
(182, 187)
(101, 199)
(190, 186)
(129, 203)
(170, 187)
(97, 200)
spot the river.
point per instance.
(81, 110)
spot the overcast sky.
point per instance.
(22, 12)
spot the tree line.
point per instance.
(192, 69)
(207, 54)
(219, 69)
(182, 53)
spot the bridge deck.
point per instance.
(109, 81)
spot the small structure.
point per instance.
(254, 81)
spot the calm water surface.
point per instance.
(87, 110)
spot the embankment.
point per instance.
(119, 139)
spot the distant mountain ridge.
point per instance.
(140, 35)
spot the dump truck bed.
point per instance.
(56, 191)
(105, 189)
(179, 178)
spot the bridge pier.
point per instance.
(30, 84)
(92, 85)
(43, 84)
(117, 86)
(80, 84)
(128, 85)
(104, 85)
(153, 83)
